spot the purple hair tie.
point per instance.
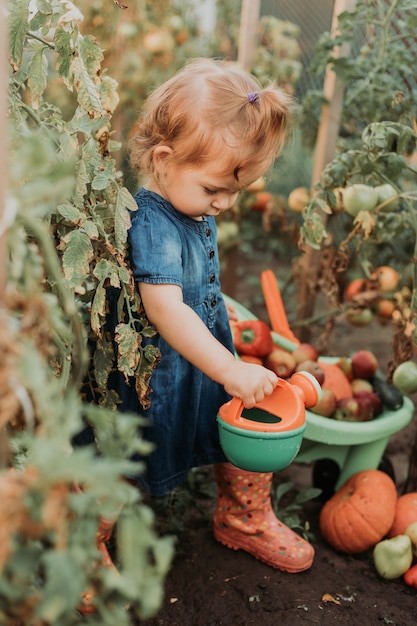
(253, 97)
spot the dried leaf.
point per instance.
(327, 597)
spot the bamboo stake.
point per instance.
(333, 92)
(249, 19)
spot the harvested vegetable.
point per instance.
(393, 557)
(252, 337)
(360, 513)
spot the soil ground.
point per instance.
(211, 585)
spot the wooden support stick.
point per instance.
(249, 19)
(333, 91)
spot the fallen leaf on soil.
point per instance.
(327, 597)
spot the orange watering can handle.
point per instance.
(235, 418)
(275, 306)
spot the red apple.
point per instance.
(370, 399)
(281, 362)
(346, 409)
(327, 405)
(364, 364)
(353, 410)
(313, 368)
(305, 352)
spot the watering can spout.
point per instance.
(308, 387)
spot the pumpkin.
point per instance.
(335, 380)
(360, 513)
(405, 514)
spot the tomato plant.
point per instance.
(66, 222)
(376, 143)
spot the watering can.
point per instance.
(268, 437)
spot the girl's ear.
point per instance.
(161, 156)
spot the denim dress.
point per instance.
(167, 247)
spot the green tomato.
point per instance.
(359, 318)
(405, 377)
(358, 198)
(387, 192)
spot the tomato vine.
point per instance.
(377, 145)
(66, 220)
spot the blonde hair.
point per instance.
(212, 109)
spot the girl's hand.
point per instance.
(249, 382)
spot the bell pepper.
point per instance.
(393, 557)
(252, 337)
(411, 531)
(410, 577)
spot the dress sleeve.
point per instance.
(155, 249)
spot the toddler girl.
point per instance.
(204, 135)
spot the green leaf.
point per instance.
(81, 122)
(107, 270)
(91, 55)
(91, 157)
(282, 489)
(87, 93)
(311, 493)
(144, 560)
(124, 275)
(38, 70)
(124, 201)
(42, 16)
(64, 51)
(63, 586)
(103, 361)
(90, 228)
(70, 212)
(109, 95)
(18, 26)
(77, 254)
(103, 177)
(128, 341)
(98, 308)
(82, 181)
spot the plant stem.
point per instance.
(41, 233)
(48, 44)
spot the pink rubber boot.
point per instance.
(103, 534)
(244, 519)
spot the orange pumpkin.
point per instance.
(405, 514)
(335, 380)
(360, 513)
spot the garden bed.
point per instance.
(210, 584)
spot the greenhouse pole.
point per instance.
(249, 18)
(3, 143)
(333, 91)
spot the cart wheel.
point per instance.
(386, 466)
(325, 475)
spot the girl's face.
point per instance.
(198, 191)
